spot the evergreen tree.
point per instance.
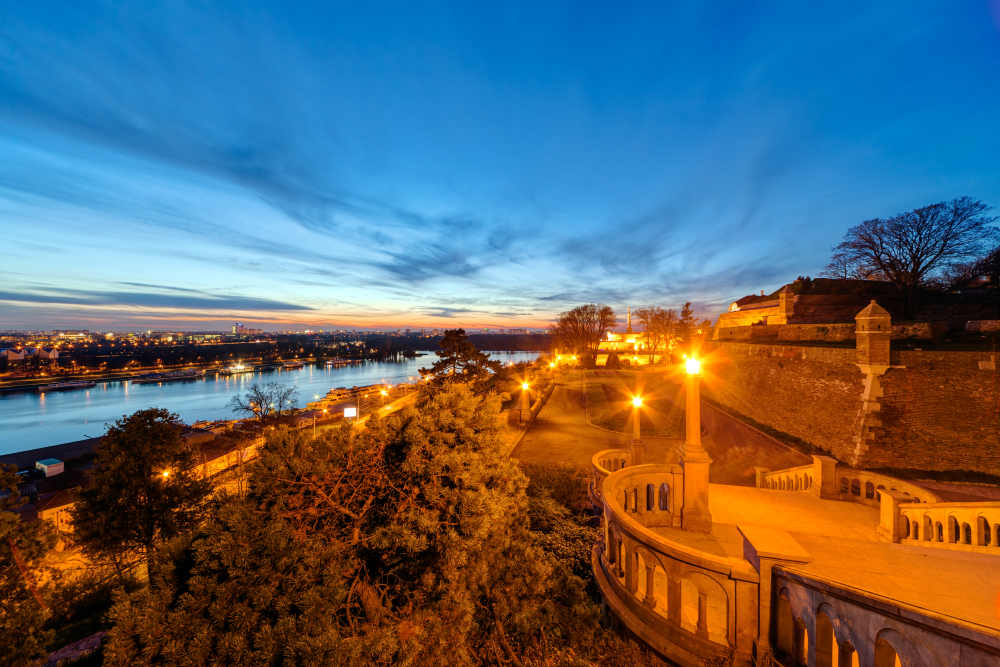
(22, 602)
(145, 490)
(405, 543)
(460, 361)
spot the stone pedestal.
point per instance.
(695, 516)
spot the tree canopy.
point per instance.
(145, 490)
(582, 328)
(460, 361)
(22, 593)
(406, 542)
(914, 249)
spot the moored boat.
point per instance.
(74, 384)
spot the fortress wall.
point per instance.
(812, 393)
(937, 413)
(833, 332)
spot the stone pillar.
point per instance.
(846, 655)
(695, 516)
(702, 615)
(824, 484)
(888, 529)
(637, 446)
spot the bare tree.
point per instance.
(660, 326)
(582, 328)
(913, 249)
(261, 402)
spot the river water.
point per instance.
(30, 419)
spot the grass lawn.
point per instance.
(609, 403)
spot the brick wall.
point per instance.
(938, 413)
(832, 332)
(812, 393)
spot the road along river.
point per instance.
(31, 419)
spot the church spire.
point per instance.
(629, 329)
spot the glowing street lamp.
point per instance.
(525, 404)
(695, 515)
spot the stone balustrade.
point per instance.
(971, 526)
(825, 479)
(681, 600)
(605, 463)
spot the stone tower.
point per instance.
(874, 331)
(786, 307)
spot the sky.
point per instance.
(299, 165)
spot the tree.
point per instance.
(660, 326)
(686, 323)
(263, 402)
(844, 266)
(406, 542)
(460, 361)
(23, 609)
(582, 328)
(914, 249)
(144, 491)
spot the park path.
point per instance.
(561, 433)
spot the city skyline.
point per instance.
(399, 166)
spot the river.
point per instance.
(31, 419)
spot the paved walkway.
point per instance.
(561, 433)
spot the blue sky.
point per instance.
(293, 165)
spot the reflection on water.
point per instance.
(30, 419)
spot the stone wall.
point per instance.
(939, 410)
(832, 332)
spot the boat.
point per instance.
(291, 365)
(75, 384)
(236, 369)
(156, 378)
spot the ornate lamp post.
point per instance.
(694, 459)
(525, 400)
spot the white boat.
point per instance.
(289, 365)
(236, 369)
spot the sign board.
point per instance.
(350, 412)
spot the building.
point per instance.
(818, 565)
(631, 347)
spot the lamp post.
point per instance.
(525, 400)
(637, 446)
(695, 516)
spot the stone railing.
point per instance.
(962, 526)
(605, 463)
(790, 479)
(866, 487)
(825, 479)
(680, 599)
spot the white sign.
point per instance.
(350, 412)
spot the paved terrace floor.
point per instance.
(841, 538)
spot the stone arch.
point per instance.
(928, 527)
(869, 490)
(916, 499)
(785, 631)
(809, 481)
(826, 642)
(712, 606)
(856, 487)
(635, 499)
(954, 530)
(996, 534)
(664, 497)
(624, 500)
(915, 535)
(641, 583)
(966, 534)
(689, 605)
(892, 649)
(650, 498)
(661, 586)
(906, 525)
(845, 485)
(798, 484)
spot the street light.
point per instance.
(695, 515)
(524, 397)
